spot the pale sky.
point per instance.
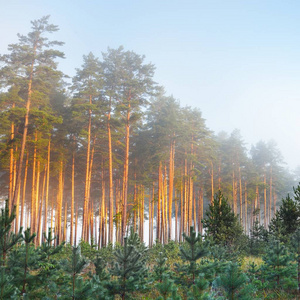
(237, 61)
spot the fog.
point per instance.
(237, 61)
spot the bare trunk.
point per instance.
(87, 173)
(24, 191)
(24, 137)
(125, 174)
(33, 208)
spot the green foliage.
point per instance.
(258, 237)
(287, 218)
(160, 268)
(191, 252)
(130, 266)
(198, 291)
(7, 238)
(278, 268)
(220, 222)
(234, 283)
(167, 289)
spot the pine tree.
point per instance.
(80, 289)
(7, 238)
(31, 67)
(160, 267)
(258, 235)
(191, 252)
(295, 241)
(167, 289)
(234, 283)
(278, 268)
(286, 220)
(197, 291)
(220, 223)
(130, 267)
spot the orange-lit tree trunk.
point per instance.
(265, 202)
(59, 203)
(171, 185)
(22, 223)
(33, 208)
(25, 130)
(241, 195)
(200, 212)
(47, 187)
(39, 223)
(110, 171)
(87, 173)
(126, 166)
(11, 163)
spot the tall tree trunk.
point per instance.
(11, 163)
(270, 202)
(39, 223)
(246, 210)
(200, 210)
(110, 171)
(33, 208)
(265, 202)
(212, 182)
(158, 214)
(47, 187)
(37, 195)
(24, 190)
(25, 130)
(126, 166)
(59, 204)
(87, 173)
(72, 198)
(171, 184)
(241, 195)
(176, 217)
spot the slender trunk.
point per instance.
(65, 222)
(110, 171)
(241, 195)
(11, 163)
(158, 221)
(200, 210)
(246, 210)
(24, 191)
(270, 203)
(76, 225)
(37, 195)
(59, 203)
(126, 166)
(72, 198)
(171, 184)
(212, 182)
(265, 202)
(181, 228)
(176, 217)
(87, 172)
(24, 137)
(39, 226)
(47, 187)
(33, 208)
